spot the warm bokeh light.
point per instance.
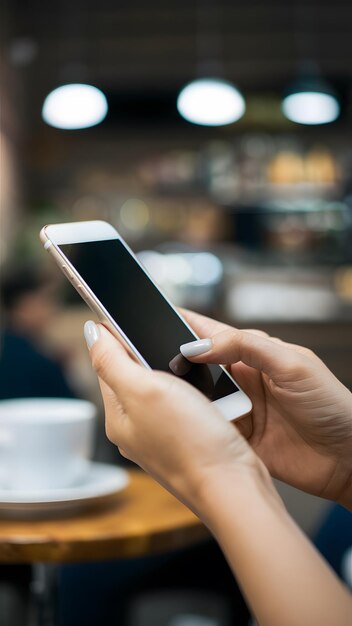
(134, 215)
(74, 106)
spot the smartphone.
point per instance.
(120, 291)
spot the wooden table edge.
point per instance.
(139, 543)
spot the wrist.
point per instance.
(244, 486)
(338, 484)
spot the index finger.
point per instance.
(276, 360)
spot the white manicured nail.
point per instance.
(91, 333)
(195, 348)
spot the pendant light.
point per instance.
(310, 99)
(75, 106)
(75, 103)
(209, 100)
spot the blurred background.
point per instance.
(239, 204)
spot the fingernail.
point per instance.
(179, 365)
(195, 348)
(91, 333)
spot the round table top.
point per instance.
(141, 520)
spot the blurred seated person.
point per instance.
(28, 306)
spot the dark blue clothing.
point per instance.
(334, 536)
(27, 373)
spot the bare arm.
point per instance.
(286, 581)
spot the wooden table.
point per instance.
(142, 520)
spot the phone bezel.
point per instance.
(233, 406)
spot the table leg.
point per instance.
(13, 603)
(44, 593)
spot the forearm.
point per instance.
(283, 577)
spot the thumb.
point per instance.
(230, 346)
(111, 361)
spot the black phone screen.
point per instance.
(143, 314)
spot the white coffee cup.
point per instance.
(45, 443)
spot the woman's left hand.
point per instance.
(164, 424)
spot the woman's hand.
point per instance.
(301, 423)
(173, 432)
(165, 425)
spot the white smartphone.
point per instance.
(108, 276)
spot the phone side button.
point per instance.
(82, 292)
(67, 272)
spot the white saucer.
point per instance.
(100, 482)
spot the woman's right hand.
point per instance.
(301, 423)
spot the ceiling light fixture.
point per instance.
(74, 106)
(211, 102)
(311, 102)
(311, 99)
(209, 99)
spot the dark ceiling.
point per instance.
(154, 47)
